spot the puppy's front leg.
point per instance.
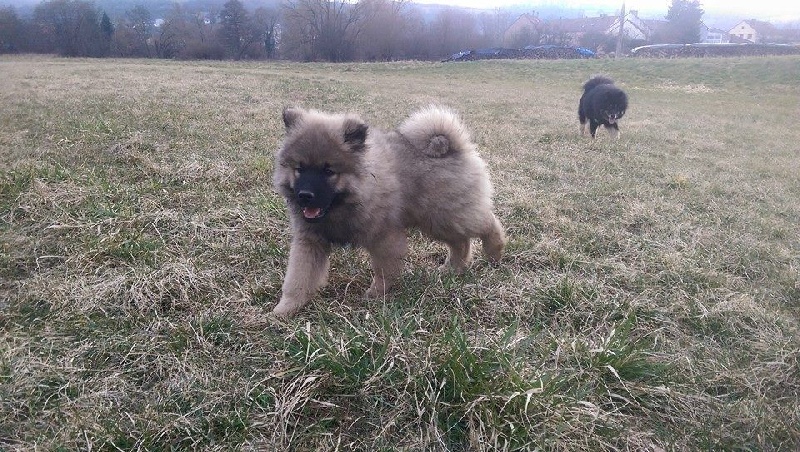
(613, 130)
(307, 272)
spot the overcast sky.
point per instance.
(757, 9)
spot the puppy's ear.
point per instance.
(291, 115)
(355, 133)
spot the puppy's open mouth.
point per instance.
(313, 213)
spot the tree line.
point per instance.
(301, 30)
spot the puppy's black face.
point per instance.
(318, 163)
(613, 106)
(315, 191)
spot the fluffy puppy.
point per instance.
(601, 103)
(346, 183)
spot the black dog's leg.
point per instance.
(613, 130)
(582, 119)
(593, 125)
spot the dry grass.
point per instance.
(649, 299)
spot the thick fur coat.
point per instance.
(348, 184)
(602, 103)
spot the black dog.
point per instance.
(602, 103)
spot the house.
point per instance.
(582, 31)
(634, 28)
(760, 32)
(519, 33)
(656, 27)
(710, 35)
(754, 31)
(577, 29)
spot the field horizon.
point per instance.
(649, 298)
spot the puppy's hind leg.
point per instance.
(387, 257)
(494, 239)
(460, 254)
(307, 272)
(582, 117)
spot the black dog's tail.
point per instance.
(595, 81)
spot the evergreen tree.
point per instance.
(106, 26)
(235, 27)
(106, 35)
(685, 20)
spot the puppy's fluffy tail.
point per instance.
(436, 131)
(595, 81)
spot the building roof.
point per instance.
(585, 24)
(603, 24)
(529, 18)
(760, 26)
(717, 30)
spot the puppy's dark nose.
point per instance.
(305, 195)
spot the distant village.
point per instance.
(628, 34)
(594, 32)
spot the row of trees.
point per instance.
(305, 30)
(78, 28)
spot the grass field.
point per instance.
(649, 299)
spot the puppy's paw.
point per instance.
(285, 308)
(453, 269)
(374, 292)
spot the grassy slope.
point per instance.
(649, 298)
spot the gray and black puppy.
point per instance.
(346, 183)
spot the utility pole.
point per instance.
(618, 52)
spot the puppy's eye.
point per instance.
(298, 169)
(328, 171)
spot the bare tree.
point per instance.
(321, 29)
(139, 26)
(416, 41)
(492, 25)
(204, 24)
(265, 30)
(173, 34)
(552, 34)
(382, 30)
(453, 30)
(11, 29)
(70, 27)
(598, 41)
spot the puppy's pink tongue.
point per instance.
(311, 212)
